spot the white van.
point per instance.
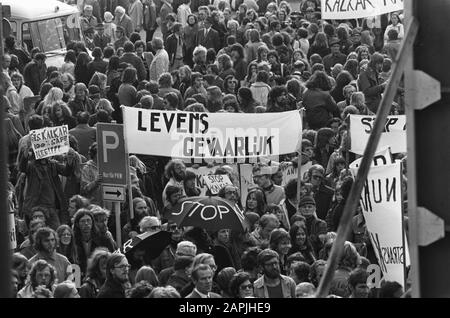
(46, 24)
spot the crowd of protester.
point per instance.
(238, 56)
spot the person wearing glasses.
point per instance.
(241, 286)
(262, 177)
(117, 269)
(272, 284)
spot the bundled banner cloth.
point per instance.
(50, 141)
(381, 203)
(210, 135)
(354, 9)
(393, 136)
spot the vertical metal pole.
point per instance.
(299, 177)
(118, 226)
(369, 152)
(5, 251)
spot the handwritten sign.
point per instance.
(354, 9)
(50, 141)
(215, 182)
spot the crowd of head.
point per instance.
(242, 56)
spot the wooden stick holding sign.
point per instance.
(369, 152)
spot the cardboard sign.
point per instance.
(381, 158)
(246, 180)
(210, 135)
(215, 182)
(200, 174)
(354, 9)
(381, 202)
(50, 141)
(393, 135)
(289, 172)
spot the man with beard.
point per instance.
(117, 269)
(202, 276)
(42, 274)
(272, 284)
(45, 245)
(174, 171)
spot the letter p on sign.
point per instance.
(112, 158)
(109, 146)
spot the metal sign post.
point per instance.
(113, 167)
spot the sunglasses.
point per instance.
(248, 286)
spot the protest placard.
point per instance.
(381, 158)
(200, 173)
(354, 9)
(50, 141)
(210, 135)
(381, 203)
(393, 135)
(246, 181)
(289, 172)
(215, 182)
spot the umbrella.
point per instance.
(210, 213)
(149, 244)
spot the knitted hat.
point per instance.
(307, 200)
(186, 248)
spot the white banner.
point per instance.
(381, 158)
(381, 202)
(393, 135)
(50, 141)
(354, 9)
(210, 135)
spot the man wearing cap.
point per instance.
(101, 39)
(167, 256)
(355, 39)
(208, 37)
(315, 227)
(123, 20)
(184, 249)
(89, 38)
(272, 284)
(262, 177)
(335, 56)
(121, 37)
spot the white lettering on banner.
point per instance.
(210, 135)
(205, 211)
(393, 135)
(50, 141)
(353, 9)
(381, 203)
